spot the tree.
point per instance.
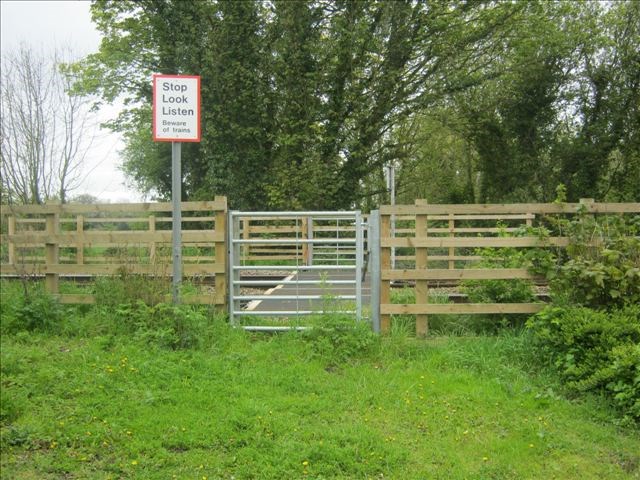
(300, 98)
(43, 128)
(562, 106)
(602, 159)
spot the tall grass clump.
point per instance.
(337, 339)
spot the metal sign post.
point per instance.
(176, 119)
(176, 237)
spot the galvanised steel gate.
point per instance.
(287, 264)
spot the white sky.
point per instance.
(42, 24)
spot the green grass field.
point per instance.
(329, 404)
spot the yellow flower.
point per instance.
(134, 462)
(305, 463)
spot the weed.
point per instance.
(338, 339)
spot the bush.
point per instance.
(594, 351)
(608, 275)
(600, 268)
(29, 309)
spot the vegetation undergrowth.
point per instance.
(591, 333)
(93, 394)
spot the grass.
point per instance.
(336, 402)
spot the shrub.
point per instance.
(608, 275)
(600, 268)
(594, 351)
(31, 309)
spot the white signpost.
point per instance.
(176, 119)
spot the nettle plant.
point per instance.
(600, 268)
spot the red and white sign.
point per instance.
(176, 108)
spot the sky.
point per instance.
(42, 24)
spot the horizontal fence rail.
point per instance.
(425, 245)
(57, 241)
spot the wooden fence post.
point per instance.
(452, 250)
(385, 264)
(52, 252)
(152, 244)
(246, 235)
(12, 246)
(79, 242)
(422, 286)
(221, 256)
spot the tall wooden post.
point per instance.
(79, 240)
(246, 235)
(52, 252)
(220, 299)
(12, 246)
(452, 250)
(385, 264)
(152, 244)
(422, 286)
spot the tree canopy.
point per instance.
(305, 101)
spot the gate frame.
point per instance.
(234, 242)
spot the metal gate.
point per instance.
(289, 264)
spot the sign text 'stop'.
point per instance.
(176, 108)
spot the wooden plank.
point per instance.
(433, 258)
(474, 242)
(76, 298)
(461, 230)
(460, 308)
(191, 269)
(505, 216)
(458, 274)
(122, 238)
(90, 299)
(217, 205)
(531, 208)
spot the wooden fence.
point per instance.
(434, 243)
(99, 240)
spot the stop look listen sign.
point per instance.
(176, 119)
(176, 108)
